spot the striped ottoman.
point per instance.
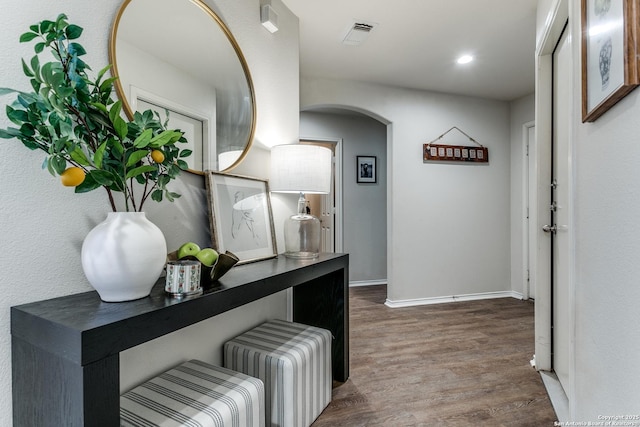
(195, 394)
(293, 361)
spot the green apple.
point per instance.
(207, 256)
(187, 249)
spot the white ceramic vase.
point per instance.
(123, 256)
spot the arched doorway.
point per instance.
(363, 205)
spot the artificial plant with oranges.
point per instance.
(75, 121)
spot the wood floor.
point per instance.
(458, 364)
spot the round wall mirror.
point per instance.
(177, 56)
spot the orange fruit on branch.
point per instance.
(72, 177)
(157, 156)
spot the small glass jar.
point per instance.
(183, 278)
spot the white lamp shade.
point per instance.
(298, 168)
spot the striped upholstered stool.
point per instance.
(195, 394)
(293, 361)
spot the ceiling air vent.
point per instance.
(358, 32)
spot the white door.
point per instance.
(559, 208)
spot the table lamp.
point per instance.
(304, 169)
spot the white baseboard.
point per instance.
(452, 298)
(357, 283)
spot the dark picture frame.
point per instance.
(366, 169)
(610, 63)
(240, 216)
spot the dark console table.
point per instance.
(65, 351)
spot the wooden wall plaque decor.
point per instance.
(433, 151)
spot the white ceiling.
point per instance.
(417, 42)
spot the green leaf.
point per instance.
(58, 163)
(182, 165)
(35, 66)
(39, 47)
(163, 180)
(107, 83)
(102, 177)
(136, 156)
(59, 145)
(156, 196)
(25, 99)
(26, 130)
(7, 91)
(26, 70)
(115, 110)
(79, 157)
(141, 179)
(173, 170)
(140, 170)
(17, 116)
(64, 91)
(50, 37)
(81, 65)
(165, 137)
(143, 139)
(100, 107)
(77, 49)
(35, 84)
(56, 104)
(185, 153)
(9, 133)
(121, 127)
(46, 26)
(73, 32)
(61, 20)
(50, 167)
(102, 72)
(99, 155)
(89, 183)
(27, 37)
(117, 147)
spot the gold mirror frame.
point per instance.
(206, 9)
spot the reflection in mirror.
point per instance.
(178, 56)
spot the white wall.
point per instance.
(448, 224)
(43, 224)
(606, 338)
(522, 111)
(364, 205)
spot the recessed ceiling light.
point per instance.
(465, 59)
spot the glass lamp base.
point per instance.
(302, 255)
(302, 236)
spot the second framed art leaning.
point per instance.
(240, 216)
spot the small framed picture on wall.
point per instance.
(366, 169)
(610, 66)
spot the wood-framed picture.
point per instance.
(366, 169)
(610, 44)
(240, 216)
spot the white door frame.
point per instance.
(528, 190)
(338, 226)
(540, 247)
